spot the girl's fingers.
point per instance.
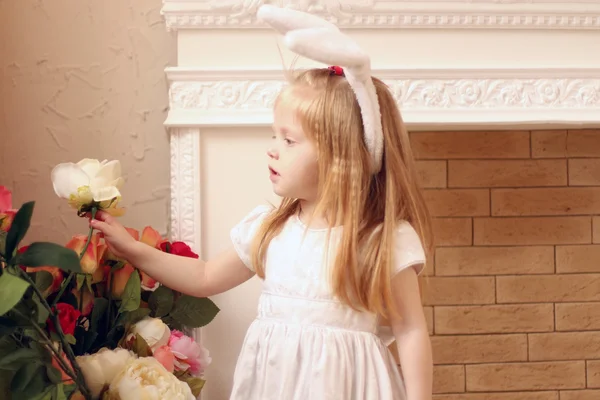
(105, 217)
(99, 225)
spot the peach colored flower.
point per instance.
(165, 356)
(57, 277)
(152, 238)
(90, 262)
(189, 355)
(120, 278)
(64, 376)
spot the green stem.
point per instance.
(71, 274)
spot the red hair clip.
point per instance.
(335, 70)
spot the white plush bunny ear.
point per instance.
(319, 40)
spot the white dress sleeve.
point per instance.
(243, 233)
(408, 251)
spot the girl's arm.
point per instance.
(412, 336)
(187, 275)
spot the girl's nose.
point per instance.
(272, 153)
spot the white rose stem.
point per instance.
(71, 274)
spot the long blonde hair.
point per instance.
(369, 207)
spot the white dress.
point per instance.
(304, 344)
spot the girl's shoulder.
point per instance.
(242, 234)
(408, 248)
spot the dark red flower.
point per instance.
(67, 318)
(179, 249)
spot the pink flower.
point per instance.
(189, 355)
(5, 199)
(165, 356)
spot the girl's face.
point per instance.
(292, 157)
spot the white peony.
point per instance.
(89, 182)
(99, 369)
(154, 332)
(146, 379)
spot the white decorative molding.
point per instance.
(428, 98)
(395, 14)
(185, 187)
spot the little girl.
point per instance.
(339, 254)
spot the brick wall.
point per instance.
(513, 300)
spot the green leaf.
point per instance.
(19, 228)
(194, 312)
(53, 374)
(100, 306)
(12, 289)
(58, 392)
(29, 381)
(41, 254)
(137, 315)
(43, 280)
(84, 278)
(131, 297)
(70, 339)
(196, 384)
(18, 357)
(161, 301)
(42, 312)
(141, 347)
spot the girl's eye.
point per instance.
(288, 142)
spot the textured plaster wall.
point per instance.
(84, 79)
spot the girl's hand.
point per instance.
(119, 241)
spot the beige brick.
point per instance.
(453, 231)
(564, 346)
(583, 143)
(532, 231)
(507, 173)
(584, 172)
(428, 311)
(573, 259)
(456, 145)
(549, 144)
(459, 291)
(580, 395)
(548, 288)
(494, 319)
(461, 261)
(448, 379)
(502, 396)
(472, 349)
(593, 374)
(432, 173)
(596, 229)
(458, 202)
(546, 201)
(526, 376)
(577, 316)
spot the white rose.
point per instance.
(146, 379)
(89, 181)
(155, 332)
(99, 369)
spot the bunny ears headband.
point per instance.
(316, 39)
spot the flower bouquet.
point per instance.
(77, 322)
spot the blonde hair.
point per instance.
(369, 207)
